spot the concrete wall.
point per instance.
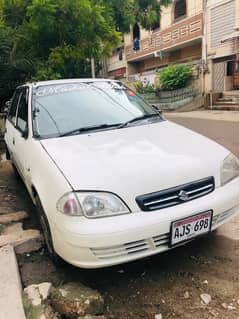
(114, 63)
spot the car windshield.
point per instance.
(71, 108)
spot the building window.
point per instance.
(136, 37)
(136, 31)
(155, 27)
(180, 9)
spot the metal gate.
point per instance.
(218, 76)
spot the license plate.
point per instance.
(190, 227)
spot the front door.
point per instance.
(236, 73)
(10, 124)
(21, 136)
(218, 76)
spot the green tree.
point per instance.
(128, 12)
(42, 39)
(16, 65)
(83, 26)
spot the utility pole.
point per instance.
(93, 67)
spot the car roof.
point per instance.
(65, 81)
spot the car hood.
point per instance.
(136, 160)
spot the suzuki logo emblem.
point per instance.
(183, 195)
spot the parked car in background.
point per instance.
(112, 180)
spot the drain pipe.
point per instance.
(204, 52)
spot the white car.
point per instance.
(112, 180)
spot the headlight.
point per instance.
(91, 204)
(230, 169)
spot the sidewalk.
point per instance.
(229, 116)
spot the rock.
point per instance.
(42, 311)
(45, 289)
(38, 293)
(33, 294)
(12, 229)
(74, 299)
(19, 238)
(33, 244)
(231, 307)
(186, 295)
(224, 305)
(228, 307)
(13, 217)
(158, 316)
(33, 300)
(206, 299)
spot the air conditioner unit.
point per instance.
(158, 54)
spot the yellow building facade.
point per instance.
(203, 33)
(176, 39)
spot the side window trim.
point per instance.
(9, 118)
(23, 90)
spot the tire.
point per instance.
(8, 157)
(47, 232)
(16, 173)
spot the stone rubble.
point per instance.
(75, 300)
(72, 301)
(205, 299)
(228, 306)
(186, 295)
(22, 240)
(13, 217)
(34, 300)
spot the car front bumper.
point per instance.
(114, 240)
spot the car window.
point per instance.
(13, 108)
(22, 112)
(65, 107)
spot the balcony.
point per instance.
(182, 32)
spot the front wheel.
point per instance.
(16, 173)
(46, 232)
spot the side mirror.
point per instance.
(8, 104)
(6, 107)
(25, 133)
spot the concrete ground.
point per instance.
(169, 284)
(232, 116)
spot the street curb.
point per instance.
(10, 285)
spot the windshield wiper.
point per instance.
(90, 128)
(139, 118)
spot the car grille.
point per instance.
(176, 195)
(157, 244)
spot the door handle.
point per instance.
(13, 141)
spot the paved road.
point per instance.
(169, 283)
(224, 132)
